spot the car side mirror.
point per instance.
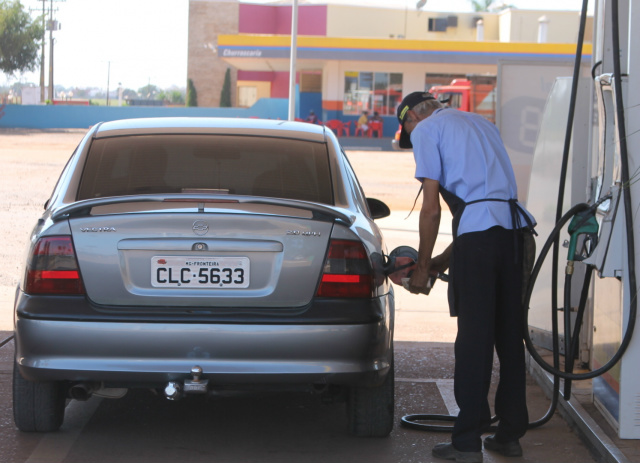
(378, 209)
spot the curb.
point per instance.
(579, 419)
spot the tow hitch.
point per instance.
(174, 390)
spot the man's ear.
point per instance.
(415, 116)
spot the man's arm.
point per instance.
(428, 226)
(440, 263)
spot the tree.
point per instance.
(192, 95)
(489, 5)
(148, 92)
(20, 38)
(225, 94)
(174, 97)
(130, 94)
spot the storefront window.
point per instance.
(367, 91)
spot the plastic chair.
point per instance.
(335, 125)
(361, 130)
(347, 128)
(375, 127)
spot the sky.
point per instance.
(140, 42)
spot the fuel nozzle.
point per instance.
(583, 226)
(401, 262)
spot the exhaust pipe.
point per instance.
(83, 391)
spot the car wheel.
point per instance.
(370, 409)
(38, 406)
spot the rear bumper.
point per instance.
(144, 353)
(319, 311)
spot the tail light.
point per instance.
(53, 267)
(347, 272)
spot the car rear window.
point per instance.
(221, 164)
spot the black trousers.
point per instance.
(486, 273)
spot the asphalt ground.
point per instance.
(275, 427)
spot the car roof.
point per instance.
(212, 125)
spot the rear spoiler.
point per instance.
(319, 211)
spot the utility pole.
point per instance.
(108, 78)
(52, 25)
(42, 55)
(44, 42)
(292, 60)
(51, 52)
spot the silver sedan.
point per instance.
(204, 255)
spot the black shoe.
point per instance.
(508, 449)
(448, 452)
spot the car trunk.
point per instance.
(208, 258)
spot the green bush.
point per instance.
(225, 94)
(192, 96)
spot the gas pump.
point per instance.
(615, 160)
(608, 171)
(599, 316)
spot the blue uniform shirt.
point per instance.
(465, 154)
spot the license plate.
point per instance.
(199, 272)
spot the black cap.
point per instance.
(409, 102)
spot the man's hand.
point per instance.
(419, 281)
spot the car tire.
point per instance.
(370, 409)
(38, 406)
